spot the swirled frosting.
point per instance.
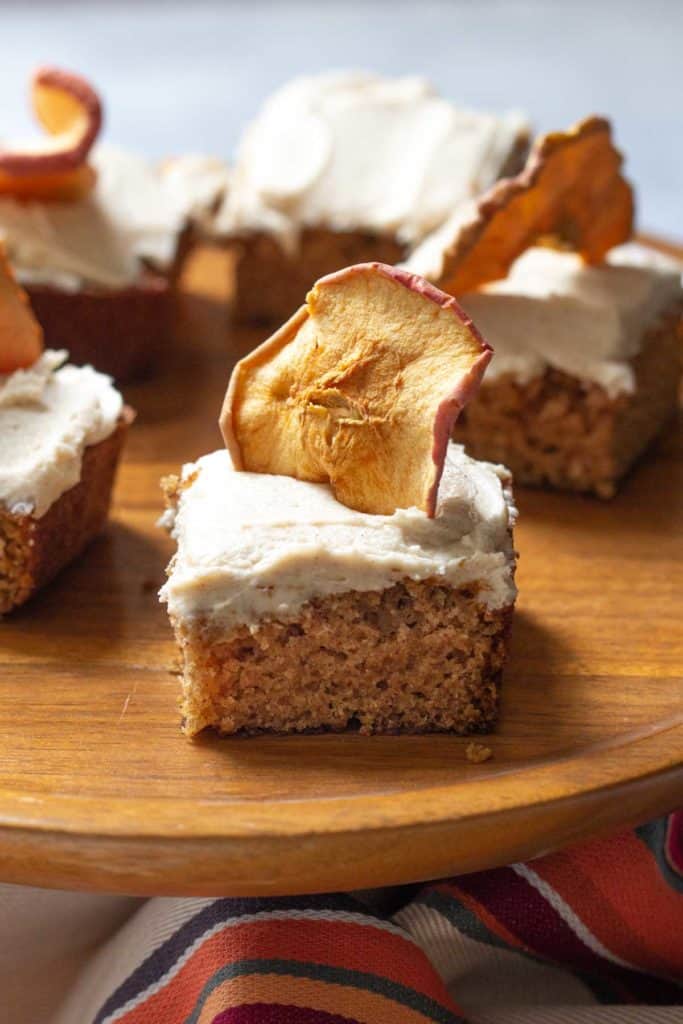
(589, 321)
(131, 219)
(49, 414)
(354, 151)
(254, 546)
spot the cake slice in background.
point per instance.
(62, 428)
(347, 167)
(96, 243)
(588, 360)
(344, 564)
(586, 332)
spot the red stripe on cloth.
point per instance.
(335, 943)
(616, 889)
(276, 1013)
(535, 923)
(490, 922)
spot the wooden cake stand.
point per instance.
(99, 790)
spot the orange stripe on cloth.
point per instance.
(345, 944)
(359, 1004)
(336, 943)
(615, 887)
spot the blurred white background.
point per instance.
(186, 76)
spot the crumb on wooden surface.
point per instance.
(476, 753)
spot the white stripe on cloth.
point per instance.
(150, 928)
(480, 976)
(569, 917)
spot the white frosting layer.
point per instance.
(196, 184)
(48, 417)
(254, 546)
(351, 150)
(133, 216)
(553, 310)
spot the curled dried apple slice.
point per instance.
(54, 187)
(21, 337)
(570, 194)
(69, 110)
(360, 388)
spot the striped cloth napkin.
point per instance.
(590, 934)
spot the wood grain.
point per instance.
(98, 789)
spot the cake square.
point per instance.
(585, 328)
(98, 244)
(100, 270)
(62, 429)
(342, 563)
(586, 369)
(348, 167)
(293, 612)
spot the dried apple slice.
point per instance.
(361, 388)
(63, 187)
(570, 194)
(69, 110)
(21, 337)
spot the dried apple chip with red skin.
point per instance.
(570, 194)
(360, 388)
(21, 337)
(62, 187)
(69, 110)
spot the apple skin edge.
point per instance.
(55, 161)
(446, 417)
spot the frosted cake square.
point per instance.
(341, 563)
(62, 430)
(587, 366)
